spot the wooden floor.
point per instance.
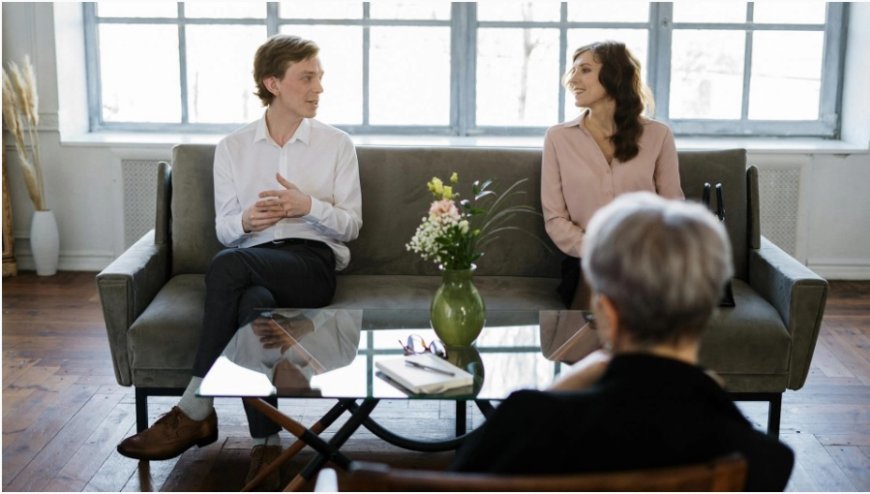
(63, 412)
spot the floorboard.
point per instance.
(64, 413)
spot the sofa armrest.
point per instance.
(798, 294)
(126, 287)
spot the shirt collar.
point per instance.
(577, 122)
(303, 132)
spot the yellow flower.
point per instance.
(447, 192)
(454, 178)
(436, 186)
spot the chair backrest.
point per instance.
(724, 474)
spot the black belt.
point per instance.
(284, 242)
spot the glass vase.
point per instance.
(457, 310)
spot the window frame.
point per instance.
(464, 25)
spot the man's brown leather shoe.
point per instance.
(261, 457)
(171, 435)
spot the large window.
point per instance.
(715, 68)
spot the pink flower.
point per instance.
(444, 208)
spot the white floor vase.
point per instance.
(44, 242)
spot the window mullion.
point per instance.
(366, 47)
(836, 21)
(182, 62)
(659, 59)
(465, 68)
(747, 62)
(92, 61)
(458, 53)
(563, 57)
(272, 19)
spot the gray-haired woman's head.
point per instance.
(662, 263)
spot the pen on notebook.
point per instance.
(428, 367)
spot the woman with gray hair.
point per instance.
(657, 269)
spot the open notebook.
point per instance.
(431, 375)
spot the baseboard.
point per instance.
(840, 269)
(69, 261)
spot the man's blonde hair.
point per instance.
(274, 56)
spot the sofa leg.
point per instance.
(774, 411)
(774, 408)
(142, 395)
(141, 409)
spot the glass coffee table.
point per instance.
(331, 354)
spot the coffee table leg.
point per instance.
(359, 414)
(461, 418)
(318, 427)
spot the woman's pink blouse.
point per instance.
(576, 179)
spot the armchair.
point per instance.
(725, 474)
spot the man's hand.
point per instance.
(271, 334)
(293, 202)
(275, 205)
(261, 215)
(281, 332)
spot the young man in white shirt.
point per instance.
(287, 198)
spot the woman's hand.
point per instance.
(584, 373)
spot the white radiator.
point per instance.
(140, 198)
(779, 194)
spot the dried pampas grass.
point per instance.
(21, 117)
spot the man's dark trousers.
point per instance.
(290, 273)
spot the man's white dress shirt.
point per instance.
(319, 159)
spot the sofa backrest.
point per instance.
(193, 238)
(727, 167)
(395, 198)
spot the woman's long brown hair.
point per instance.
(620, 76)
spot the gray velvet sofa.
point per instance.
(152, 295)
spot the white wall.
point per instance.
(84, 182)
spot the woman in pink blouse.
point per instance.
(608, 150)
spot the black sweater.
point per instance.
(645, 412)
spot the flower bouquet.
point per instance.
(453, 235)
(455, 232)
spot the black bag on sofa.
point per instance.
(728, 296)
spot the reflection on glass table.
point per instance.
(331, 353)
